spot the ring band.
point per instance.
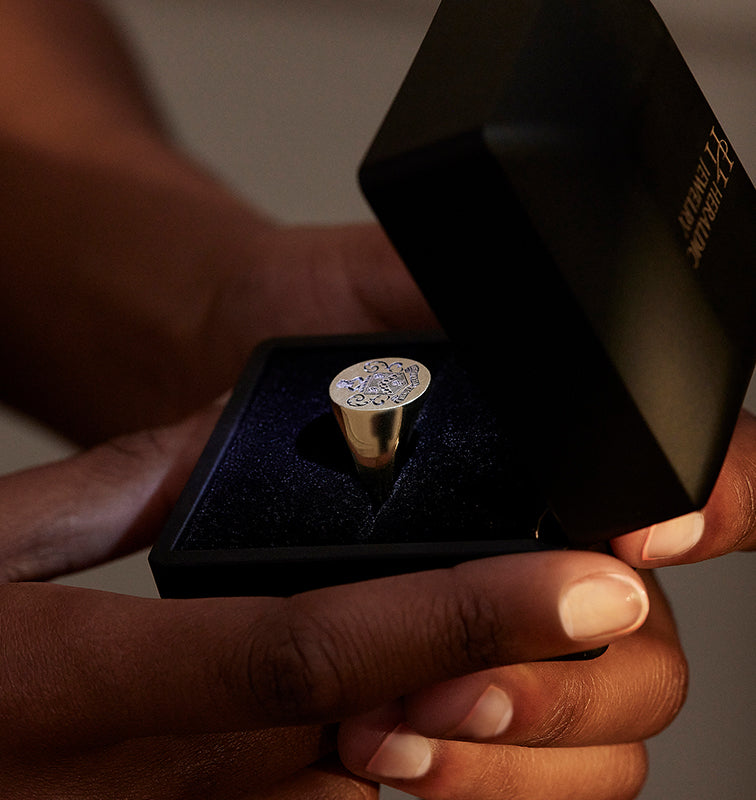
(376, 403)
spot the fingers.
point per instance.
(439, 770)
(727, 523)
(551, 729)
(321, 782)
(138, 667)
(631, 692)
(335, 279)
(380, 280)
(96, 505)
(331, 648)
(281, 764)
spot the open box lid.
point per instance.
(560, 189)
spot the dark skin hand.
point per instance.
(135, 281)
(137, 285)
(107, 695)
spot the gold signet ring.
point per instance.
(376, 404)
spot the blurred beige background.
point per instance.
(281, 98)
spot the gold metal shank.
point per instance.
(376, 403)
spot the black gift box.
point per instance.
(275, 505)
(552, 176)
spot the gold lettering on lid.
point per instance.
(704, 198)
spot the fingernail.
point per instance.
(403, 755)
(602, 605)
(223, 399)
(488, 718)
(673, 537)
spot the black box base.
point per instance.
(274, 506)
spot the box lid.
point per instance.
(556, 182)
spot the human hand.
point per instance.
(109, 695)
(195, 279)
(75, 514)
(303, 281)
(727, 523)
(545, 729)
(134, 279)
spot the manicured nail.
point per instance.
(602, 605)
(488, 718)
(403, 755)
(673, 537)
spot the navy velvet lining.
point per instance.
(286, 478)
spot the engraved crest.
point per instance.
(383, 382)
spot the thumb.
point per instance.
(90, 668)
(726, 524)
(98, 504)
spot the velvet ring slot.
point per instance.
(275, 505)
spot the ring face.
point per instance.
(372, 384)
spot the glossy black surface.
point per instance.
(555, 180)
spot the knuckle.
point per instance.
(593, 706)
(668, 689)
(140, 446)
(569, 718)
(293, 667)
(745, 493)
(471, 624)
